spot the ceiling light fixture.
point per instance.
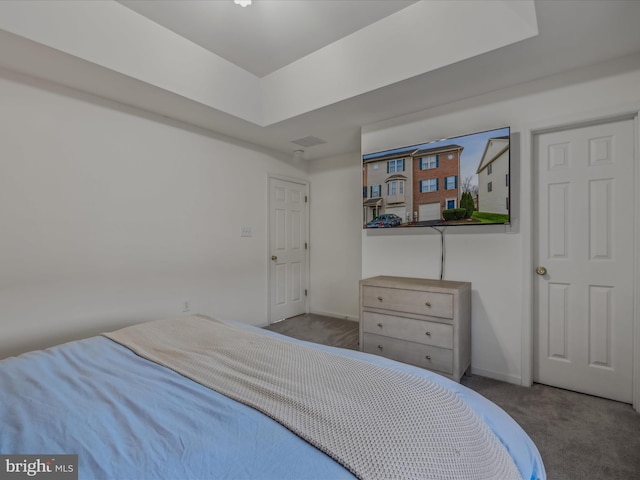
(242, 3)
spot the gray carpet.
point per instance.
(320, 329)
(578, 436)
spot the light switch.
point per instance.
(245, 232)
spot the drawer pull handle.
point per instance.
(428, 357)
(380, 325)
(428, 304)
(380, 299)
(428, 334)
(380, 347)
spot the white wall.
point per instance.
(496, 263)
(336, 199)
(110, 216)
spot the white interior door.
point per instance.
(585, 220)
(287, 248)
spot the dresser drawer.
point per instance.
(425, 356)
(433, 304)
(419, 331)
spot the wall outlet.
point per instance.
(186, 307)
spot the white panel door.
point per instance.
(585, 229)
(288, 249)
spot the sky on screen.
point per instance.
(473, 148)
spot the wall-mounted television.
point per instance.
(456, 181)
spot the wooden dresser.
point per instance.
(423, 322)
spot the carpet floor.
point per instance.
(320, 329)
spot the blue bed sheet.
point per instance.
(129, 418)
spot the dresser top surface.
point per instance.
(412, 283)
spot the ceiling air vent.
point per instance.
(309, 141)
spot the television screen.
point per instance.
(460, 180)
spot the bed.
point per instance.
(198, 398)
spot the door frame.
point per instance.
(271, 177)
(529, 196)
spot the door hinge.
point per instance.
(305, 292)
(306, 199)
(306, 246)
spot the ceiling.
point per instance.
(337, 64)
(269, 34)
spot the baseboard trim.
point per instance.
(515, 379)
(336, 315)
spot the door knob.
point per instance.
(274, 258)
(540, 270)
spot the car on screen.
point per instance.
(385, 220)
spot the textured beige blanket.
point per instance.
(375, 421)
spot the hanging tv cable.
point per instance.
(442, 250)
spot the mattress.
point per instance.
(128, 417)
